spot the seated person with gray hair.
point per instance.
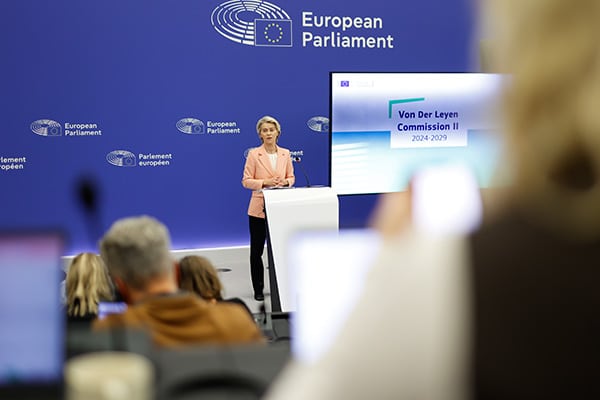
(136, 251)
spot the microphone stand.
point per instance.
(298, 160)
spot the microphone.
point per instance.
(87, 195)
(88, 198)
(298, 160)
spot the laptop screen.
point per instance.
(111, 307)
(31, 315)
(327, 273)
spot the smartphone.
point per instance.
(446, 199)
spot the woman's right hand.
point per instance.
(269, 182)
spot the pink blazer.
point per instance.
(258, 168)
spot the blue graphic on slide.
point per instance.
(253, 23)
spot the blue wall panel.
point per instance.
(131, 69)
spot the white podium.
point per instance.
(290, 210)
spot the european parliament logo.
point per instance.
(247, 151)
(318, 124)
(190, 126)
(273, 32)
(253, 23)
(121, 158)
(46, 127)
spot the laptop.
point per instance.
(32, 318)
(327, 271)
(111, 307)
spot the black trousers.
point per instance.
(258, 236)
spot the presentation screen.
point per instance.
(386, 126)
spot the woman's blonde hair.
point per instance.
(87, 284)
(198, 275)
(551, 49)
(271, 120)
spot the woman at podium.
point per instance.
(267, 166)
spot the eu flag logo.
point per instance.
(273, 32)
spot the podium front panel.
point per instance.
(289, 211)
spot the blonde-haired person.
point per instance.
(511, 311)
(552, 120)
(267, 166)
(534, 269)
(86, 285)
(198, 275)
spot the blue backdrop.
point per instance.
(122, 107)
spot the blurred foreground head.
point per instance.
(551, 48)
(137, 250)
